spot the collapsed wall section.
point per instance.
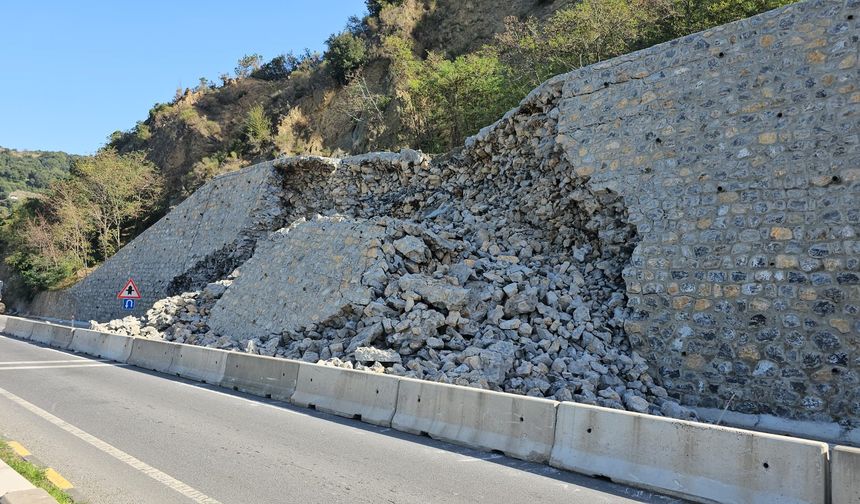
(206, 235)
(736, 153)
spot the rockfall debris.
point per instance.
(495, 268)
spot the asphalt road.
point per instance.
(124, 435)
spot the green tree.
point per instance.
(594, 30)
(280, 67)
(690, 16)
(115, 192)
(442, 101)
(346, 53)
(463, 94)
(374, 7)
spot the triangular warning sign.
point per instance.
(130, 291)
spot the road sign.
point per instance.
(130, 291)
(128, 304)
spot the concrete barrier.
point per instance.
(845, 475)
(3, 319)
(519, 426)
(199, 363)
(261, 376)
(354, 394)
(18, 327)
(153, 354)
(691, 460)
(57, 336)
(104, 345)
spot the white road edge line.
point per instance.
(14, 363)
(67, 353)
(14, 368)
(114, 452)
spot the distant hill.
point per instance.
(30, 171)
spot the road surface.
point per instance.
(123, 435)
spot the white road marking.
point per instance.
(165, 479)
(67, 353)
(10, 363)
(494, 456)
(223, 392)
(14, 368)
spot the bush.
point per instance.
(39, 273)
(594, 30)
(258, 128)
(346, 54)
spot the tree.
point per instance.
(346, 53)
(463, 95)
(280, 67)
(374, 7)
(247, 64)
(115, 191)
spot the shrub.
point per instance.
(39, 273)
(462, 95)
(258, 128)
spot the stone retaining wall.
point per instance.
(210, 233)
(736, 152)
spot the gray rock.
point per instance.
(364, 338)
(436, 292)
(413, 248)
(371, 354)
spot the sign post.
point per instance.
(128, 295)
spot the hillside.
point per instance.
(30, 171)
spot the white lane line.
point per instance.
(223, 393)
(165, 479)
(15, 368)
(15, 363)
(467, 458)
(32, 344)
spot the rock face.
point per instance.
(676, 224)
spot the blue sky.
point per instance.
(73, 72)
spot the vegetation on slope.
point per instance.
(106, 200)
(418, 73)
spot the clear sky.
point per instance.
(75, 71)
